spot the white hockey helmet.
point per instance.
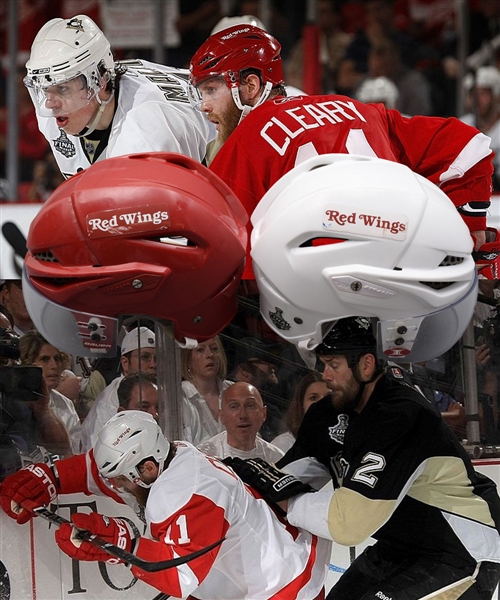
(489, 77)
(378, 89)
(468, 82)
(65, 49)
(343, 235)
(127, 439)
(227, 22)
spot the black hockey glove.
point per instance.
(273, 485)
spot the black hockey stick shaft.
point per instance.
(15, 237)
(128, 557)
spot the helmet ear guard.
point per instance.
(364, 237)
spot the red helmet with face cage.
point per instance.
(151, 234)
(236, 49)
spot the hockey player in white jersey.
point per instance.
(90, 108)
(192, 501)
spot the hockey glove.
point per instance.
(271, 483)
(487, 257)
(117, 531)
(31, 487)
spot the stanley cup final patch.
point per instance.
(64, 145)
(337, 432)
(278, 320)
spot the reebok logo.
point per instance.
(343, 219)
(382, 596)
(283, 482)
(115, 222)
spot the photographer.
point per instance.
(29, 429)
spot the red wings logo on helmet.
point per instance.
(121, 436)
(380, 225)
(112, 222)
(234, 33)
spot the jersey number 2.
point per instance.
(373, 463)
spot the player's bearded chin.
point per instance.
(230, 122)
(345, 398)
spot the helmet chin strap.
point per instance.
(90, 128)
(246, 108)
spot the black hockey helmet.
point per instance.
(352, 337)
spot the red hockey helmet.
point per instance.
(154, 234)
(236, 49)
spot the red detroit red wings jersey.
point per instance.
(198, 500)
(284, 132)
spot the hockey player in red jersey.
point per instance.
(238, 73)
(191, 500)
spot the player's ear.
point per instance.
(367, 366)
(149, 467)
(252, 87)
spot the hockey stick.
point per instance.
(128, 557)
(15, 237)
(162, 596)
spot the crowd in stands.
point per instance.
(245, 389)
(414, 44)
(228, 387)
(244, 393)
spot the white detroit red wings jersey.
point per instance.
(284, 132)
(198, 500)
(153, 114)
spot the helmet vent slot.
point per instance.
(82, 55)
(437, 285)
(61, 66)
(451, 260)
(46, 256)
(320, 241)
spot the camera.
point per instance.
(21, 382)
(17, 381)
(9, 345)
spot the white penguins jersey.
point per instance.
(153, 114)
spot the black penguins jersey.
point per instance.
(401, 476)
